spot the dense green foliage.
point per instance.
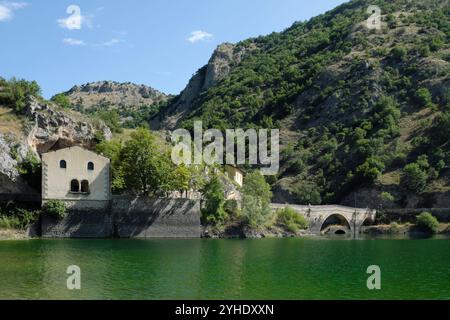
(13, 216)
(61, 100)
(414, 177)
(143, 166)
(213, 195)
(31, 171)
(111, 119)
(14, 93)
(55, 208)
(256, 196)
(428, 221)
(291, 219)
(349, 94)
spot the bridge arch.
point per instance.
(333, 220)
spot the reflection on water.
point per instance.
(312, 268)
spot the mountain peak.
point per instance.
(113, 93)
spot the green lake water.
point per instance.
(290, 268)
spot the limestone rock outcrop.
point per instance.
(49, 128)
(112, 93)
(225, 57)
(45, 128)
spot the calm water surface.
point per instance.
(225, 269)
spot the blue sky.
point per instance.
(160, 43)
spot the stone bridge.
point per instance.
(332, 218)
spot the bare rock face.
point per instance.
(113, 93)
(50, 129)
(12, 153)
(219, 66)
(46, 129)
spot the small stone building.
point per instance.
(235, 174)
(77, 176)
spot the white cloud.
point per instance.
(109, 43)
(199, 35)
(7, 8)
(78, 42)
(75, 21)
(74, 42)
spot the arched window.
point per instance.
(63, 164)
(85, 186)
(74, 186)
(90, 166)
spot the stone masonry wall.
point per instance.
(156, 218)
(127, 217)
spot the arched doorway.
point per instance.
(335, 224)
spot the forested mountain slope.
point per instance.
(358, 108)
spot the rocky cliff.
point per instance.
(41, 127)
(225, 57)
(108, 94)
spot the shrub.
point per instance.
(394, 227)
(428, 221)
(18, 218)
(423, 97)
(291, 219)
(414, 178)
(387, 197)
(307, 193)
(31, 170)
(55, 208)
(9, 222)
(399, 53)
(61, 100)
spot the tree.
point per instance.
(15, 93)
(144, 168)
(213, 193)
(256, 199)
(180, 179)
(112, 120)
(441, 128)
(112, 150)
(371, 169)
(414, 178)
(307, 193)
(61, 100)
(423, 97)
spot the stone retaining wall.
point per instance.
(127, 217)
(156, 218)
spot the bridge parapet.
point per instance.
(317, 215)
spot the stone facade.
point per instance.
(235, 174)
(75, 174)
